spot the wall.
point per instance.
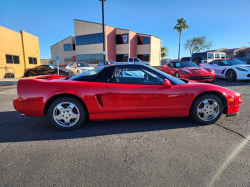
(155, 51)
(58, 50)
(110, 43)
(11, 43)
(132, 44)
(84, 28)
(122, 48)
(30, 49)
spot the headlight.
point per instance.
(241, 69)
(212, 71)
(185, 72)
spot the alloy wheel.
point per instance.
(66, 114)
(208, 110)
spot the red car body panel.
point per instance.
(194, 72)
(109, 101)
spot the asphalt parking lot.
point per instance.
(150, 152)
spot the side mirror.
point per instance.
(167, 83)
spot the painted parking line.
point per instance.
(12, 91)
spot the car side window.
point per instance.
(130, 60)
(135, 75)
(71, 64)
(216, 62)
(210, 56)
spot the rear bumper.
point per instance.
(17, 103)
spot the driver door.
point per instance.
(139, 91)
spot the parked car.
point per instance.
(135, 61)
(189, 70)
(105, 94)
(78, 68)
(46, 70)
(229, 69)
(186, 59)
(105, 64)
(207, 57)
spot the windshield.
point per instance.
(231, 62)
(92, 74)
(82, 65)
(52, 67)
(184, 64)
(169, 77)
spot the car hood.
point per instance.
(197, 71)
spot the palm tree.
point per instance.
(181, 25)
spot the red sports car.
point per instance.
(189, 70)
(122, 92)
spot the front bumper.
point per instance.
(233, 114)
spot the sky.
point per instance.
(224, 22)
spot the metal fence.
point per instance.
(7, 69)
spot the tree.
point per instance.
(181, 25)
(164, 51)
(197, 44)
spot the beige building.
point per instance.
(120, 44)
(17, 52)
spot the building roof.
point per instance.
(61, 40)
(115, 27)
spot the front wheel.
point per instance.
(230, 75)
(78, 72)
(66, 113)
(207, 109)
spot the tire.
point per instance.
(177, 75)
(28, 74)
(209, 113)
(230, 75)
(66, 113)
(197, 61)
(78, 72)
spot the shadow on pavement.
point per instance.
(17, 128)
(223, 82)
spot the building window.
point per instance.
(144, 57)
(90, 58)
(67, 47)
(122, 58)
(12, 59)
(32, 60)
(68, 59)
(141, 40)
(89, 39)
(122, 38)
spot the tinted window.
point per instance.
(90, 58)
(122, 38)
(82, 65)
(32, 60)
(136, 75)
(200, 55)
(67, 47)
(184, 64)
(131, 60)
(12, 59)
(122, 58)
(231, 62)
(144, 57)
(92, 74)
(210, 56)
(143, 40)
(89, 39)
(69, 59)
(217, 55)
(216, 62)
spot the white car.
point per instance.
(79, 68)
(229, 69)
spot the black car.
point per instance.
(46, 70)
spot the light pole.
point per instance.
(103, 33)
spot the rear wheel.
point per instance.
(197, 61)
(78, 72)
(207, 109)
(66, 113)
(231, 75)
